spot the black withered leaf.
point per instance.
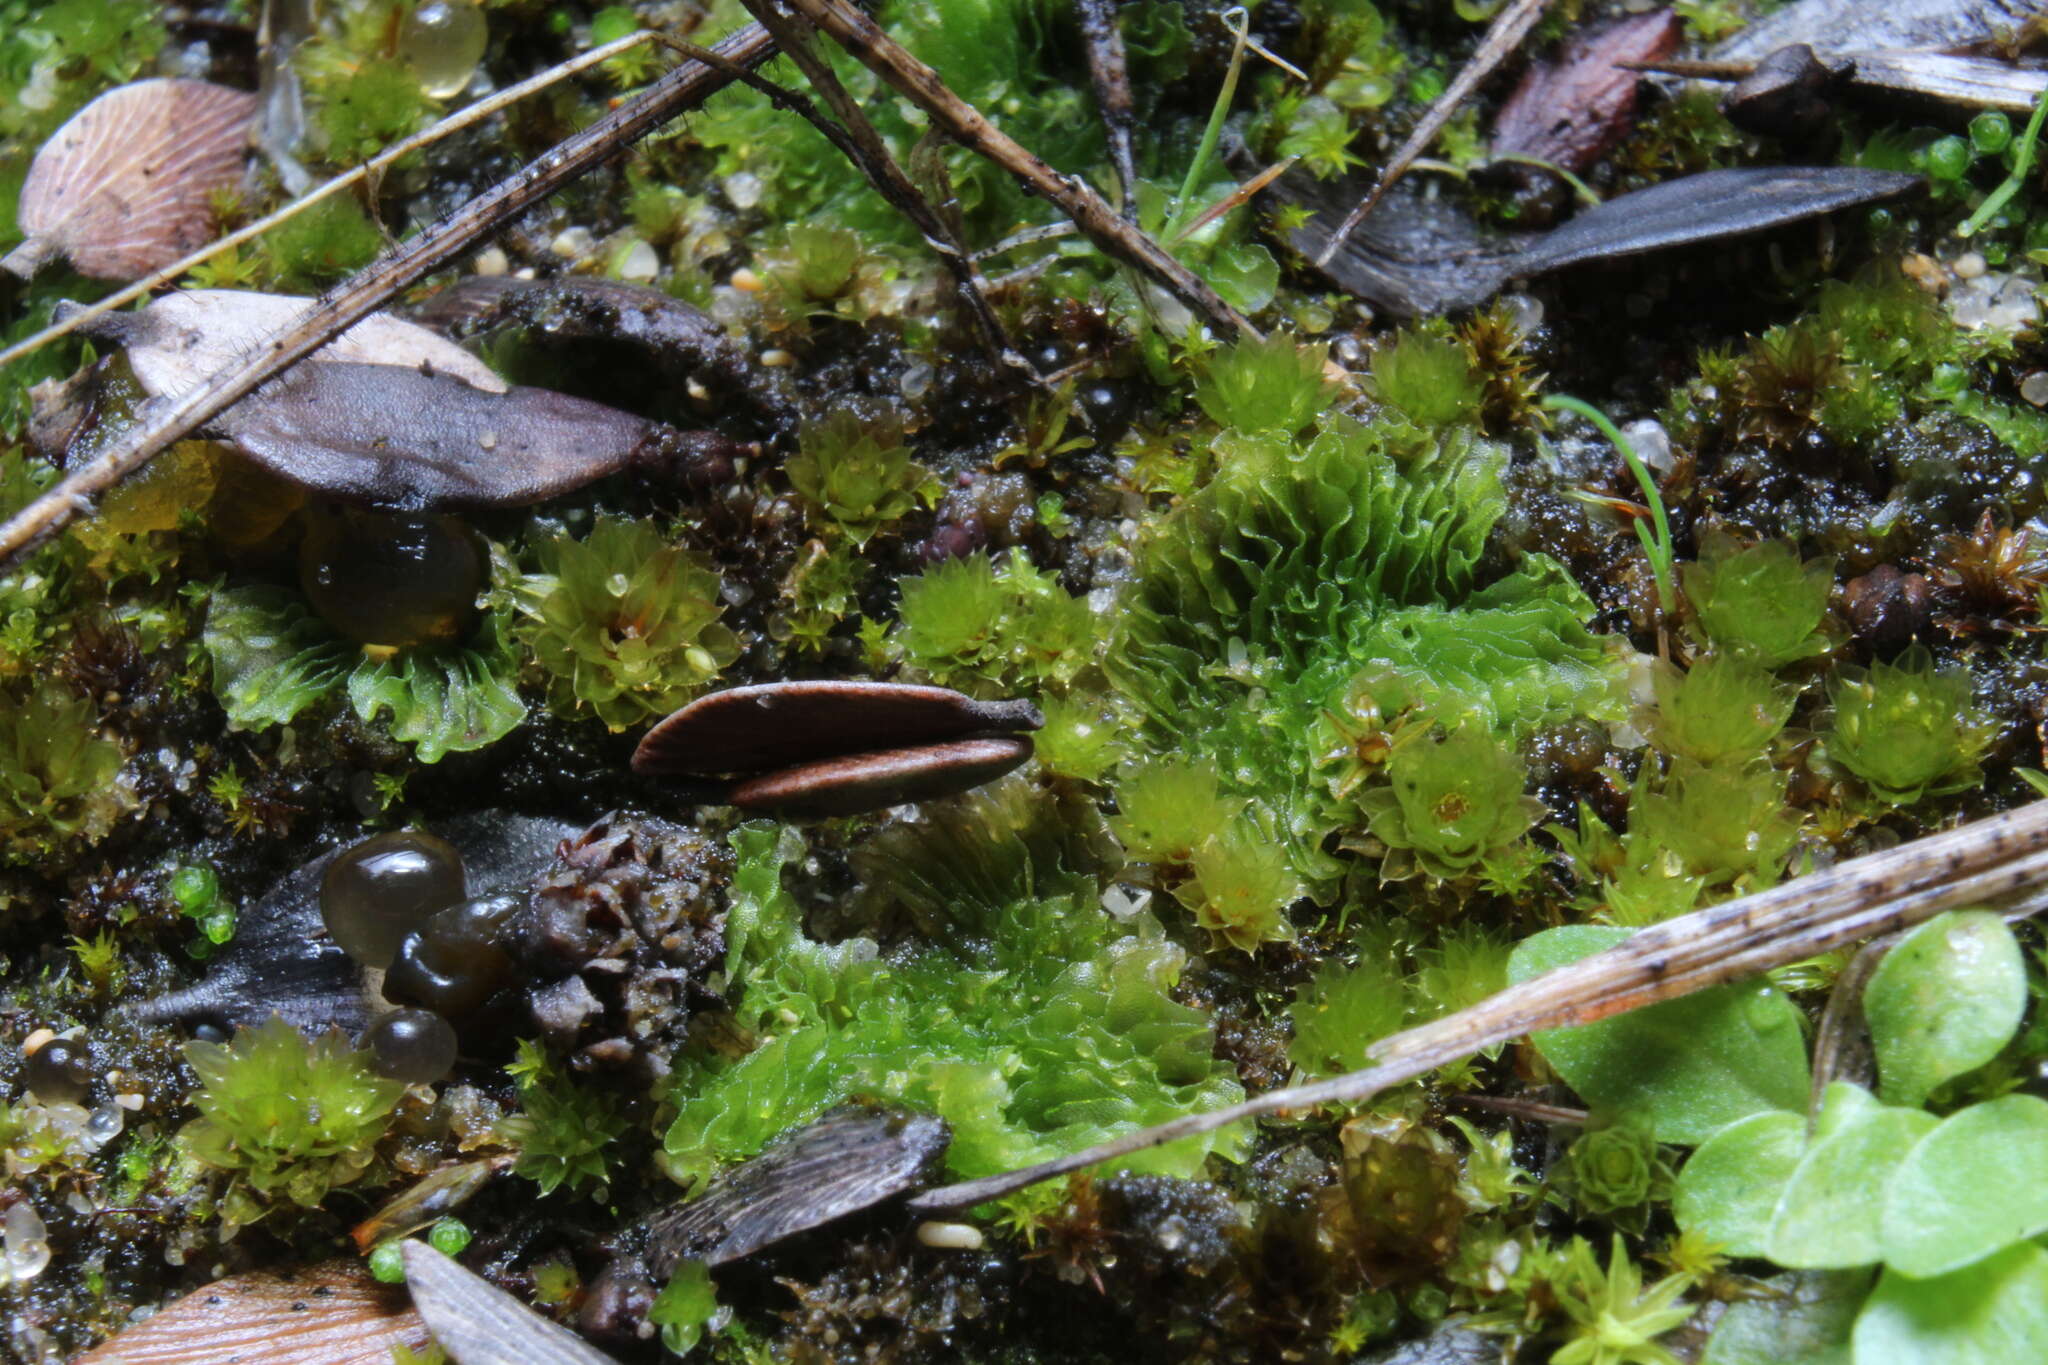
(846, 1161)
(477, 1323)
(282, 960)
(1707, 207)
(770, 725)
(1414, 258)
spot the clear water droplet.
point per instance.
(444, 40)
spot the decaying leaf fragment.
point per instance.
(127, 184)
(477, 1323)
(1571, 111)
(330, 1314)
(1830, 26)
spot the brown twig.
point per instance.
(169, 420)
(866, 149)
(1510, 26)
(1989, 862)
(1090, 211)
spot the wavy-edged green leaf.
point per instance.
(1729, 1189)
(449, 699)
(1976, 1183)
(272, 657)
(1831, 1214)
(1692, 1066)
(1992, 1313)
(1943, 1001)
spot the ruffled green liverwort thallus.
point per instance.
(812, 749)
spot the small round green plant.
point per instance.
(1760, 603)
(1450, 801)
(858, 475)
(1429, 378)
(1239, 886)
(291, 1118)
(1721, 708)
(625, 622)
(1167, 806)
(1907, 729)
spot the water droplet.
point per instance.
(444, 40)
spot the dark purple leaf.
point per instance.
(1570, 112)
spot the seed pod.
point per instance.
(751, 729)
(874, 781)
(127, 185)
(330, 1314)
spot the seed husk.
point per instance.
(127, 184)
(480, 1324)
(329, 1314)
(771, 725)
(857, 783)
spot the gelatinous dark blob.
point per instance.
(749, 729)
(60, 1070)
(281, 961)
(458, 960)
(1888, 608)
(415, 1046)
(875, 781)
(847, 1160)
(386, 434)
(387, 886)
(393, 578)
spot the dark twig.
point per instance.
(1990, 862)
(1111, 76)
(170, 420)
(1510, 26)
(1090, 211)
(865, 147)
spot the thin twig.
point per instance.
(376, 165)
(1234, 198)
(1988, 862)
(167, 421)
(1110, 74)
(1090, 211)
(1510, 26)
(865, 147)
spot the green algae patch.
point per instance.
(1026, 1017)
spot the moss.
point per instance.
(1449, 803)
(1239, 884)
(1168, 805)
(1727, 823)
(1301, 574)
(967, 623)
(1616, 1167)
(56, 774)
(624, 622)
(1720, 708)
(1022, 1014)
(1346, 1008)
(1907, 729)
(1274, 384)
(562, 1130)
(1761, 602)
(290, 1118)
(1429, 378)
(56, 56)
(857, 476)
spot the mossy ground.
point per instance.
(1316, 670)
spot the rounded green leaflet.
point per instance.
(1832, 1211)
(1977, 1183)
(1692, 1066)
(1993, 1313)
(1944, 1001)
(1729, 1188)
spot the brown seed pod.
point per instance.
(771, 725)
(330, 1314)
(855, 783)
(127, 185)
